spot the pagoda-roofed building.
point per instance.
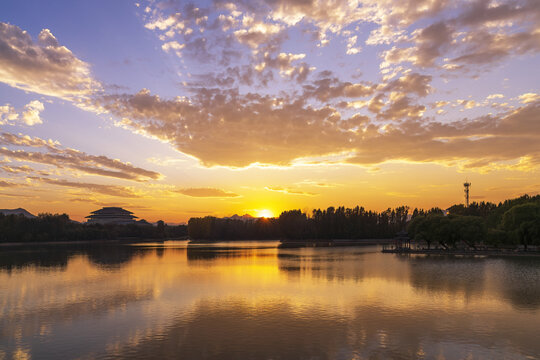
(111, 215)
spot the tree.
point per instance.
(293, 224)
(160, 229)
(523, 221)
(469, 229)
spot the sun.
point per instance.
(265, 213)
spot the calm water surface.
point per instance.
(254, 301)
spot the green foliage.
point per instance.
(448, 231)
(498, 237)
(519, 214)
(482, 209)
(523, 223)
(471, 230)
(494, 218)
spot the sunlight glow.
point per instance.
(265, 213)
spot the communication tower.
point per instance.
(466, 185)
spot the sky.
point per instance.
(175, 109)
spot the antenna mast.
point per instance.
(466, 185)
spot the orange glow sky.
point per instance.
(176, 109)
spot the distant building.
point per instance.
(111, 215)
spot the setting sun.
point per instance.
(265, 213)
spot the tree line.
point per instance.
(330, 223)
(507, 224)
(58, 227)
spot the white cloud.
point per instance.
(29, 115)
(43, 67)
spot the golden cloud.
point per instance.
(206, 193)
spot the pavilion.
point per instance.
(111, 215)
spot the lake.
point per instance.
(251, 300)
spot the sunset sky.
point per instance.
(176, 109)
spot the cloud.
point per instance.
(430, 43)
(284, 63)
(316, 184)
(31, 112)
(8, 114)
(24, 169)
(256, 33)
(222, 127)
(206, 193)
(290, 191)
(528, 98)
(17, 195)
(30, 115)
(17, 169)
(480, 143)
(44, 67)
(413, 83)
(273, 107)
(56, 155)
(5, 184)
(482, 33)
(329, 87)
(110, 190)
(225, 128)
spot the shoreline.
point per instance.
(290, 244)
(85, 242)
(462, 252)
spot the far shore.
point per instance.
(479, 252)
(84, 242)
(332, 242)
